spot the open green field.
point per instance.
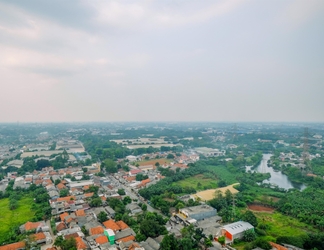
(200, 178)
(11, 218)
(282, 225)
(223, 173)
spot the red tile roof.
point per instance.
(32, 225)
(111, 225)
(133, 246)
(102, 239)
(60, 186)
(88, 195)
(277, 246)
(131, 178)
(96, 230)
(62, 216)
(13, 246)
(67, 198)
(80, 212)
(122, 225)
(38, 236)
(60, 227)
(80, 243)
(128, 238)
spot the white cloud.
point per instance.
(298, 12)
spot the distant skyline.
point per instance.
(116, 61)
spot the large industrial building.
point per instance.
(235, 230)
(198, 212)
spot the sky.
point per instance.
(172, 60)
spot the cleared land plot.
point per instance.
(194, 180)
(260, 208)
(12, 218)
(210, 193)
(152, 162)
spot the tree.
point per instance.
(110, 165)
(262, 243)
(249, 235)
(170, 156)
(64, 192)
(221, 240)
(127, 200)
(248, 216)
(57, 181)
(102, 216)
(121, 191)
(96, 202)
(170, 242)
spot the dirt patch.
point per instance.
(152, 162)
(210, 193)
(260, 208)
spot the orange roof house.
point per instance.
(122, 225)
(143, 183)
(66, 199)
(88, 195)
(14, 246)
(126, 239)
(61, 186)
(62, 216)
(111, 225)
(102, 239)
(133, 246)
(32, 225)
(96, 230)
(277, 246)
(80, 243)
(38, 236)
(60, 227)
(80, 212)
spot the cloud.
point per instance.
(298, 12)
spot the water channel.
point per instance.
(277, 178)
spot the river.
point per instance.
(277, 178)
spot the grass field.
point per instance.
(282, 225)
(194, 180)
(223, 173)
(11, 218)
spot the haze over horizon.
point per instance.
(222, 61)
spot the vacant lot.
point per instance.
(195, 180)
(152, 162)
(281, 225)
(12, 218)
(210, 193)
(260, 208)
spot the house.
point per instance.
(110, 224)
(135, 172)
(96, 230)
(14, 246)
(143, 183)
(134, 208)
(28, 226)
(42, 237)
(235, 230)
(111, 212)
(131, 158)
